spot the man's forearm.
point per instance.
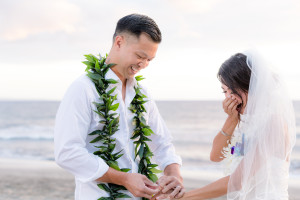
(113, 176)
(173, 170)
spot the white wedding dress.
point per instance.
(280, 168)
(279, 189)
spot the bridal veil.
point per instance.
(270, 134)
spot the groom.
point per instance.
(135, 43)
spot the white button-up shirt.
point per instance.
(76, 118)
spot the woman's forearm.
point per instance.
(213, 190)
(220, 140)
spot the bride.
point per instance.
(258, 135)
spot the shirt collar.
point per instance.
(131, 83)
(111, 75)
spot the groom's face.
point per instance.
(134, 53)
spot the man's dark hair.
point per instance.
(137, 24)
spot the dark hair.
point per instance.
(235, 74)
(137, 24)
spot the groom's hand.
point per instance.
(140, 186)
(171, 183)
(161, 195)
(170, 187)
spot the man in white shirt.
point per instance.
(135, 43)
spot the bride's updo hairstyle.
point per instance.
(235, 74)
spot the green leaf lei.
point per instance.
(96, 70)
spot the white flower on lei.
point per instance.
(231, 161)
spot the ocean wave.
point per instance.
(26, 132)
(26, 157)
(10, 138)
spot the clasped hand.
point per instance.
(166, 187)
(170, 187)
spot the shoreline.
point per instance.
(44, 180)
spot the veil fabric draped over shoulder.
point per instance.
(270, 134)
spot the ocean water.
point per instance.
(26, 131)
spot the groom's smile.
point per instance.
(132, 54)
(134, 69)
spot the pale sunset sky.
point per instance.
(42, 43)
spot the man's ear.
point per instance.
(119, 41)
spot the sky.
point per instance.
(42, 43)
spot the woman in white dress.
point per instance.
(258, 135)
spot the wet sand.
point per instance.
(44, 180)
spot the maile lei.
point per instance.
(96, 70)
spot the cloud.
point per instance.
(24, 18)
(194, 6)
(51, 36)
(220, 23)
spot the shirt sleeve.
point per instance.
(71, 128)
(161, 145)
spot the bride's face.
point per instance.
(228, 93)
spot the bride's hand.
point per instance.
(171, 195)
(230, 106)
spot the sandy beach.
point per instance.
(44, 180)
(34, 180)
